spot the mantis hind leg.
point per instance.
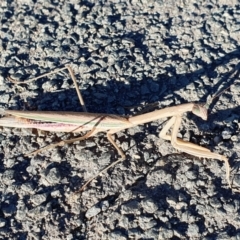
(53, 72)
(63, 142)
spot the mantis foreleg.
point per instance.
(189, 147)
(123, 157)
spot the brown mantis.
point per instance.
(96, 122)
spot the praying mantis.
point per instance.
(60, 121)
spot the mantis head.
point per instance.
(200, 110)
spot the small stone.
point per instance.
(93, 211)
(104, 205)
(56, 194)
(214, 202)
(234, 138)
(226, 134)
(39, 212)
(8, 177)
(51, 177)
(229, 208)
(129, 41)
(165, 233)
(191, 175)
(75, 208)
(149, 205)
(10, 162)
(2, 222)
(146, 223)
(193, 231)
(38, 199)
(156, 177)
(21, 214)
(117, 235)
(171, 201)
(180, 206)
(131, 207)
(28, 187)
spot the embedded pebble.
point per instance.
(226, 135)
(93, 211)
(28, 187)
(51, 177)
(2, 222)
(38, 199)
(8, 177)
(149, 205)
(193, 231)
(130, 208)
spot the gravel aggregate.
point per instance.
(126, 55)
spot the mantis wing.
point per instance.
(99, 120)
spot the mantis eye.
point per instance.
(200, 111)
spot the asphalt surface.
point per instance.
(125, 55)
